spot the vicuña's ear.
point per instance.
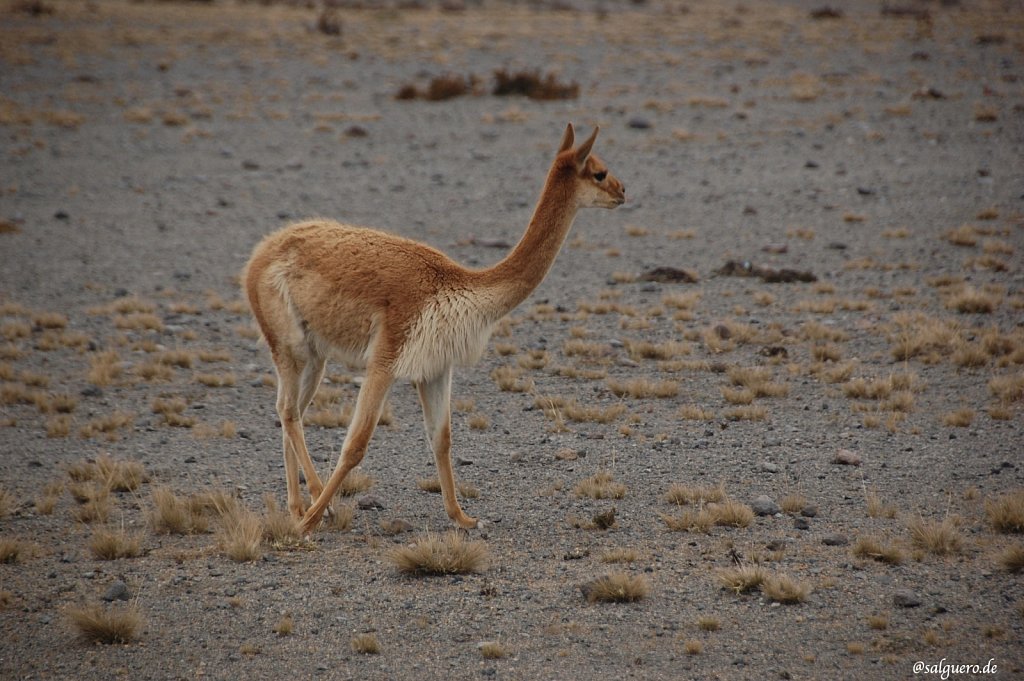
(584, 149)
(567, 139)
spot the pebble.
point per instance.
(776, 545)
(905, 598)
(369, 501)
(835, 539)
(809, 511)
(118, 591)
(763, 505)
(769, 467)
(638, 123)
(801, 524)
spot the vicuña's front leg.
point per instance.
(435, 395)
(367, 412)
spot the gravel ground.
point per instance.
(147, 148)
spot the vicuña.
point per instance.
(402, 310)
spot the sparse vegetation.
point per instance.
(110, 544)
(1006, 513)
(616, 587)
(365, 644)
(113, 624)
(869, 547)
(433, 554)
(600, 485)
(785, 589)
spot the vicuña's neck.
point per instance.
(518, 274)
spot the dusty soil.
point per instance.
(147, 147)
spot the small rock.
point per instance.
(459, 461)
(763, 505)
(369, 502)
(769, 467)
(638, 123)
(809, 511)
(250, 165)
(118, 591)
(776, 544)
(801, 524)
(396, 526)
(775, 248)
(835, 539)
(905, 598)
(847, 457)
(61, 214)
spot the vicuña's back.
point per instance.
(402, 309)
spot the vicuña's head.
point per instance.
(595, 185)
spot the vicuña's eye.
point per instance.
(600, 176)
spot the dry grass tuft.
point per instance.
(14, 551)
(280, 528)
(1012, 559)
(742, 579)
(216, 380)
(433, 554)
(793, 503)
(693, 647)
(492, 650)
(600, 485)
(785, 589)
(747, 413)
(509, 380)
(708, 623)
(869, 547)
(616, 587)
(961, 418)
(365, 644)
(341, 519)
(941, 538)
(731, 513)
(878, 622)
(877, 508)
(355, 482)
(972, 301)
(171, 514)
(690, 520)
(241, 535)
(108, 544)
(285, 626)
(1006, 514)
(120, 475)
(108, 425)
(105, 368)
(1007, 389)
(640, 388)
(693, 412)
(97, 624)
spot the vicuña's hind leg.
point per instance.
(288, 372)
(367, 412)
(309, 380)
(435, 396)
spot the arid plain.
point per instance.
(777, 398)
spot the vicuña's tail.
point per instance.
(252, 275)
